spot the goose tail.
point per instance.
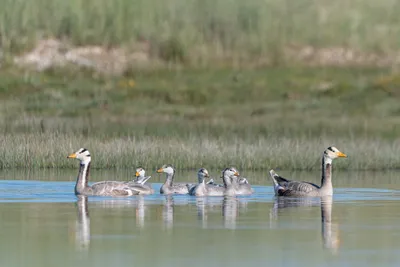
(274, 176)
(143, 180)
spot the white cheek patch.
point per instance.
(169, 170)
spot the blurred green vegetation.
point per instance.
(203, 32)
(213, 87)
(254, 119)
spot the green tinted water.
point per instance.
(44, 224)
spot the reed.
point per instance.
(266, 118)
(50, 151)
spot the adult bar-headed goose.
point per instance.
(169, 187)
(105, 188)
(285, 187)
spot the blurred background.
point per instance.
(258, 84)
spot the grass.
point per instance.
(266, 118)
(50, 151)
(203, 33)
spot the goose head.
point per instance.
(332, 153)
(83, 155)
(140, 172)
(167, 168)
(202, 174)
(228, 174)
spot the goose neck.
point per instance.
(83, 177)
(170, 178)
(326, 178)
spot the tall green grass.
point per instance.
(266, 118)
(204, 30)
(50, 151)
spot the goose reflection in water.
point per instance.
(230, 212)
(82, 231)
(82, 234)
(330, 232)
(230, 209)
(140, 211)
(168, 212)
(206, 205)
(202, 214)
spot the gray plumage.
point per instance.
(139, 184)
(169, 187)
(203, 188)
(286, 187)
(105, 188)
(242, 186)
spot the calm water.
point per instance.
(44, 224)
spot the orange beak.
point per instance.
(72, 156)
(236, 174)
(137, 174)
(160, 170)
(341, 155)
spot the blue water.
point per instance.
(44, 224)
(40, 191)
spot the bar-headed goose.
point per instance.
(169, 187)
(200, 188)
(241, 185)
(105, 188)
(140, 183)
(285, 187)
(228, 175)
(141, 177)
(203, 188)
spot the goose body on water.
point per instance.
(242, 185)
(105, 188)
(141, 177)
(199, 189)
(203, 188)
(228, 176)
(285, 187)
(169, 187)
(140, 183)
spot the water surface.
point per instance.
(44, 224)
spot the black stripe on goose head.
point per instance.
(82, 150)
(165, 166)
(223, 172)
(168, 165)
(326, 151)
